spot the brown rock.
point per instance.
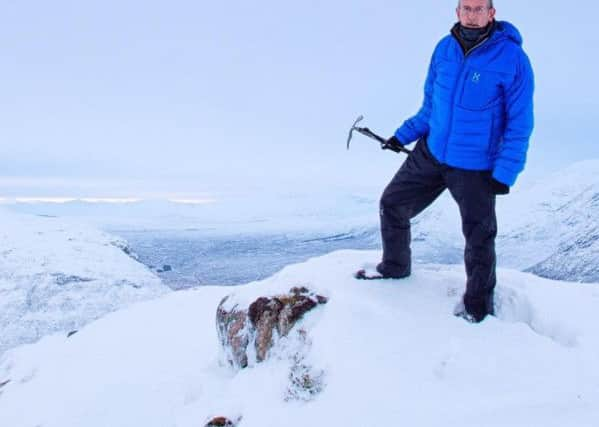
(293, 310)
(220, 422)
(299, 290)
(265, 315)
(232, 333)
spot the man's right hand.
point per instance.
(392, 144)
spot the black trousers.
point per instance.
(419, 181)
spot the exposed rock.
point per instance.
(166, 267)
(233, 334)
(3, 383)
(264, 315)
(260, 322)
(70, 334)
(222, 422)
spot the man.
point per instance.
(473, 131)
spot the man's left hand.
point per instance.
(499, 187)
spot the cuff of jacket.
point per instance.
(505, 176)
(404, 135)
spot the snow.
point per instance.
(391, 351)
(553, 226)
(58, 274)
(549, 228)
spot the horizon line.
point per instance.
(113, 200)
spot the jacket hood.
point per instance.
(505, 29)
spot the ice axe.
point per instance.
(371, 134)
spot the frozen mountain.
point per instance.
(388, 353)
(57, 275)
(552, 229)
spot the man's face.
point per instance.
(475, 13)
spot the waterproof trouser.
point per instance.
(419, 181)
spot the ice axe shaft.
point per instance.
(367, 132)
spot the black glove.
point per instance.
(499, 187)
(392, 144)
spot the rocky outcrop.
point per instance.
(268, 327)
(222, 422)
(254, 329)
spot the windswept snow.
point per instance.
(57, 275)
(392, 353)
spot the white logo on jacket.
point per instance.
(475, 77)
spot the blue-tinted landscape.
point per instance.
(199, 259)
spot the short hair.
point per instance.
(489, 5)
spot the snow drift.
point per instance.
(390, 353)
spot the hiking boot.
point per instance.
(460, 311)
(377, 273)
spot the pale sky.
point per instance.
(189, 98)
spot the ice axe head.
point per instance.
(359, 119)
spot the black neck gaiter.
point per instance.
(470, 37)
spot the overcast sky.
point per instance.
(180, 97)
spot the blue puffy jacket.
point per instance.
(478, 108)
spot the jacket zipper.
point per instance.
(466, 54)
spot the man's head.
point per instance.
(475, 13)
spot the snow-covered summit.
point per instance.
(58, 275)
(391, 352)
